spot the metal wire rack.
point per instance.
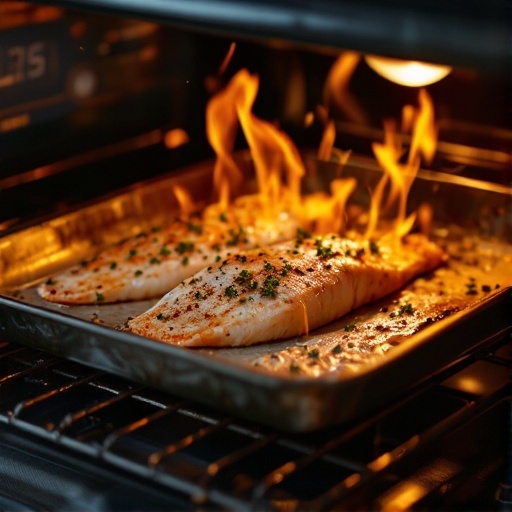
(405, 455)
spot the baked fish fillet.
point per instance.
(284, 290)
(151, 264)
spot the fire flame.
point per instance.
(401, 176)
(279, 167)
(276, 159)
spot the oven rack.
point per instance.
(407, 455)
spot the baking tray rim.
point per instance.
(247, 372)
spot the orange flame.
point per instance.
(221, 130)
(401, 176)
(327, 142)
(424, 132)
(337, 91)
(187, 205)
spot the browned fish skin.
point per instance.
(284, 290)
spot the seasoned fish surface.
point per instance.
(284, 290)
(151, 264)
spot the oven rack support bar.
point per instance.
(206, 488)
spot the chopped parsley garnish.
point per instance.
(236, 237)
(154, 261)
(113, 265)
(231, 292)
(252, 285)
(156, 229)
(349, 327)
(406, 309)
(164, 251)
(269, 287)
(199, 296)
(99, 297)
(223, 217)
(336, 350)
(184, 261)
(302, 234)
(244, 277)
(471, 288)
(217, 258)
(138, 273)
(313, 354)
(268, 266)
(50, 281)
(196, 228)
(374, 248)
(294, 368)
(243, 259)
(323, 251)
(162, 316)
(184, 247)
(131, 253)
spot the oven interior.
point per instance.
(90, 101)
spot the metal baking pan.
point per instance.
(332, 375)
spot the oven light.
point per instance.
(410, 73)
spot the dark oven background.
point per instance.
(87, 99)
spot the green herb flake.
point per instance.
(236, 237)
(99, 297)
(302, 234)
(184, 247)
(113, 265)
(156, 229)
(268, 266)
(471, 288)
(269, 287)
(138, 273)
(231, 292)
(162, 317)
(49, 281)
(184, 261)
(313, 354)
(199, 296)
(374, 248)
(406, 309)
(252, 285)
(131, 253)
(294, 368)
(223, 217)
(349, 327)
(217, 258)
(195, 228)
(154, 261)
(164, 251)
(323, 251)
(337, 350)
(243, 259)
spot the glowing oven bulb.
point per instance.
(410, 73)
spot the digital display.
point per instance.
(53, 63)
(23, 62)
(31, 61)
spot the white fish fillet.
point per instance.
(151, 264)
(284, 290)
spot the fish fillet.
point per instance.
(151, 264)
(284, 290)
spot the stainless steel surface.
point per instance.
(361, 378)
